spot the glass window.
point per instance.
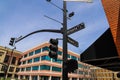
(45, 58)
(37, 59)
(58, 60)
(22, 69)
(37, 51)
(35, 67)
(30, 61)
(44, 78)
(80, 65)
(31, 53)
(73, 57)
(28, 68)
(44, 67)
(56, 69)
(13, 60)
(25, 56)
(24, 62)
(6, 58)
(11, 69)
(46, 48)
(59, 53)
(34, 78)
(55, 78)
(68, 55)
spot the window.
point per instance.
(24, 62)
(30, 61)
(56, 69)
(31, 53)
(68, 55)
(73, 57)
(17, 69)
(35, 67)
(46, 48)
(36, 59)
(58, 60)
(6, 59)
(25, 56)
(55, 78)
(45, 58)
(59, 53)
(22, 69)
(13, 60)
(44, 78)
(28, 68)
(37, 51)
(11, 69)
(1, 53)
(44, 67)
(80, 65)
(19, 61)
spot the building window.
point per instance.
(6, 59)
(19, 61)
(73, 57)
(74, 78)
(17, 69)
(37, 51)
(58, 60)
(37, 59)
(25, 56)
(22, 69)
(80, 65)
(45, 58)
(31, 53)
(56, 69)
(34, 78)
(28, 68)
(30, 61)
(44, 67)
(11, 69)
(59, 53)
(24, 62)
(46, 48)
(35, 67)
(55, 78)
(13, 60)
(1, 53)
(44, 78)
(68, 55)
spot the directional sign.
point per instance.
(72, 41)
(80, 0)
(75, 28)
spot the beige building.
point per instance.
(37, 65)
(10, 59)
(98, 73)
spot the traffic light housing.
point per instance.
(71, 65)
(118, 74)
(53, 48)
(71, 14)
(12, 41)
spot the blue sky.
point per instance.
(20, 17)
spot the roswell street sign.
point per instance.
(75, 28)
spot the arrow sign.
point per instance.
(73, 42)
(75, 28)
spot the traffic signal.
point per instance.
(53, 48)
(12, 41)
(48, 0)
(118, 74)
(72, 65)
(71, 14)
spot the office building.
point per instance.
(37, 65)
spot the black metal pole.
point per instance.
(64, 71)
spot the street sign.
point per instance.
(89, 1)
(73, 42)
(75, 28)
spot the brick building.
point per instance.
(112, 10)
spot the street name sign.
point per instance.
(75, 28)
(72, 41)
(89, 1)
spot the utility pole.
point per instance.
(64, 71)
